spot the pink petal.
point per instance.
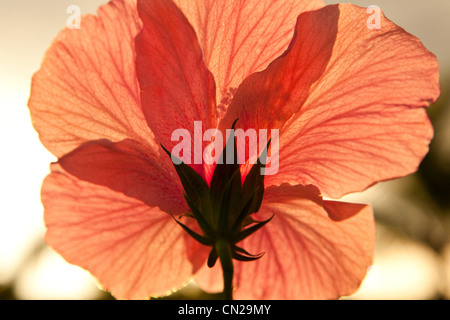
(307, 255)
(177, 88)
(86, 88)
(128, 168)
(349, 102)
(239, 38)
(132, 249)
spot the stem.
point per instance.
(224, 252)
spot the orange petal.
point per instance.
(339, 211)
(177, 88)
(239, 38)
(349, 102)
(133, 250)
(307, 255)
(126, 167)
(86, 88)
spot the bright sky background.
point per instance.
(27, 28)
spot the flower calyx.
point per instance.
(223, 210)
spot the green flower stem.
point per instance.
(225, 255)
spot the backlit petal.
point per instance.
(126, 167)
(349, 101)
(86, 88)
(132, 249)
(307, 255)
(239, 38)
(177, 88)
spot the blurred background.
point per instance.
(413, 214)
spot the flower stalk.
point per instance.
(224, 252)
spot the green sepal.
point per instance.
(224, 171)
(244, 213)
(255, 180)
(240, 257)
(242, 253)
(207, 229)
(228, 197)
(226, 183)
(194, 185)
(203, 240)
(212, 259)
(249, 231)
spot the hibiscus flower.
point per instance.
(348, 101)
